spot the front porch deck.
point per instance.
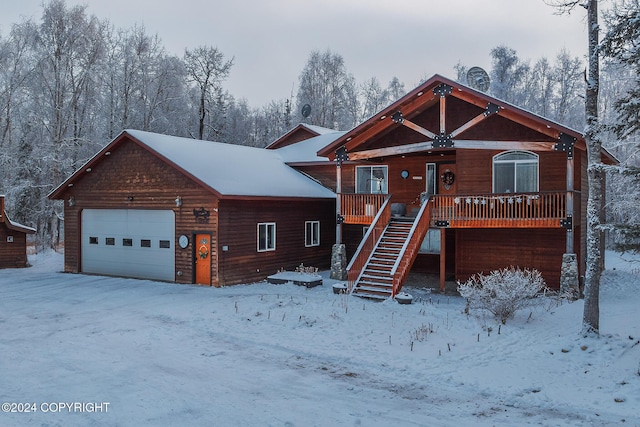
(511, 210)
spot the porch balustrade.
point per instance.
(510, 210)
(360, 208)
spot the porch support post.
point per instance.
(338, 203)
(570, 210)
(341, 156)
(566, 143)
(443, 257)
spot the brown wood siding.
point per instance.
(481, 251)
(12, 254)
(132, 171)
(300, 134)
(325, 174)
(475, 171)
(352, 235)
(239, 221)
(458, 113)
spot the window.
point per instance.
(312, 233)
(145, 243)
(110, 241)
(127, 242)
(515, 172)
(431, 242)
(93, 240)
(372, 179)
(165, 244)
(266, 236)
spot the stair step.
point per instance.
(385, 270)
(374, 296)
(382, 274)
(381, 262)
(373, 284)
(372, 290)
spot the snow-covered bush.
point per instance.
(503, 292)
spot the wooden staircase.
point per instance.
(376, 279)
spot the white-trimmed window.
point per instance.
(515, 172)
(266, 236)
(312, 233)
(372, 179)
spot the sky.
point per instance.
(270, 40)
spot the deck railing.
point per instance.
(521, 210)
(360, 208)
(510, 210)
(369, 241)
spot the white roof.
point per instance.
(233, 170)
(306, 151)
(318, 129)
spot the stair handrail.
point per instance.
(418, 222)
(370, 239)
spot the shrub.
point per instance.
(503, 292)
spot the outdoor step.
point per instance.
(398, 242)
(385, 262)
(372, 296)
(377, 273)
(384, 269)
(382, 281)
(374, 289)
(373, 285)
(388, 252)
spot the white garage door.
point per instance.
(129, 243)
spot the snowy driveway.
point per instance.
(282, 355)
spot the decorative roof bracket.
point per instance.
(491, 109)
(341, 155)
(443, 140)
(442, 90)
(565, 143)
(567, 223)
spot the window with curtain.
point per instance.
(515, 172)
(372, 179)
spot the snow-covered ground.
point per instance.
(162, 354)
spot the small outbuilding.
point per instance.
(13, 240)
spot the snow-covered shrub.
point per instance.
(307, 270)
(503, 292)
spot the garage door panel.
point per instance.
(129, 243)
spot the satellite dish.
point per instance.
(306, 110)
(478, 79)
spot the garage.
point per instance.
(128, 243)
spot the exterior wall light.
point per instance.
(178, 201)
(72, 201)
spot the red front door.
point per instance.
(202, 248)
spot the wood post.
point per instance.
(338, 203)
(570, 210)
(443, 257)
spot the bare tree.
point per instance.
(330, 90)
(595, 170)
(508, 75)
(207, 68)
(619, 46)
